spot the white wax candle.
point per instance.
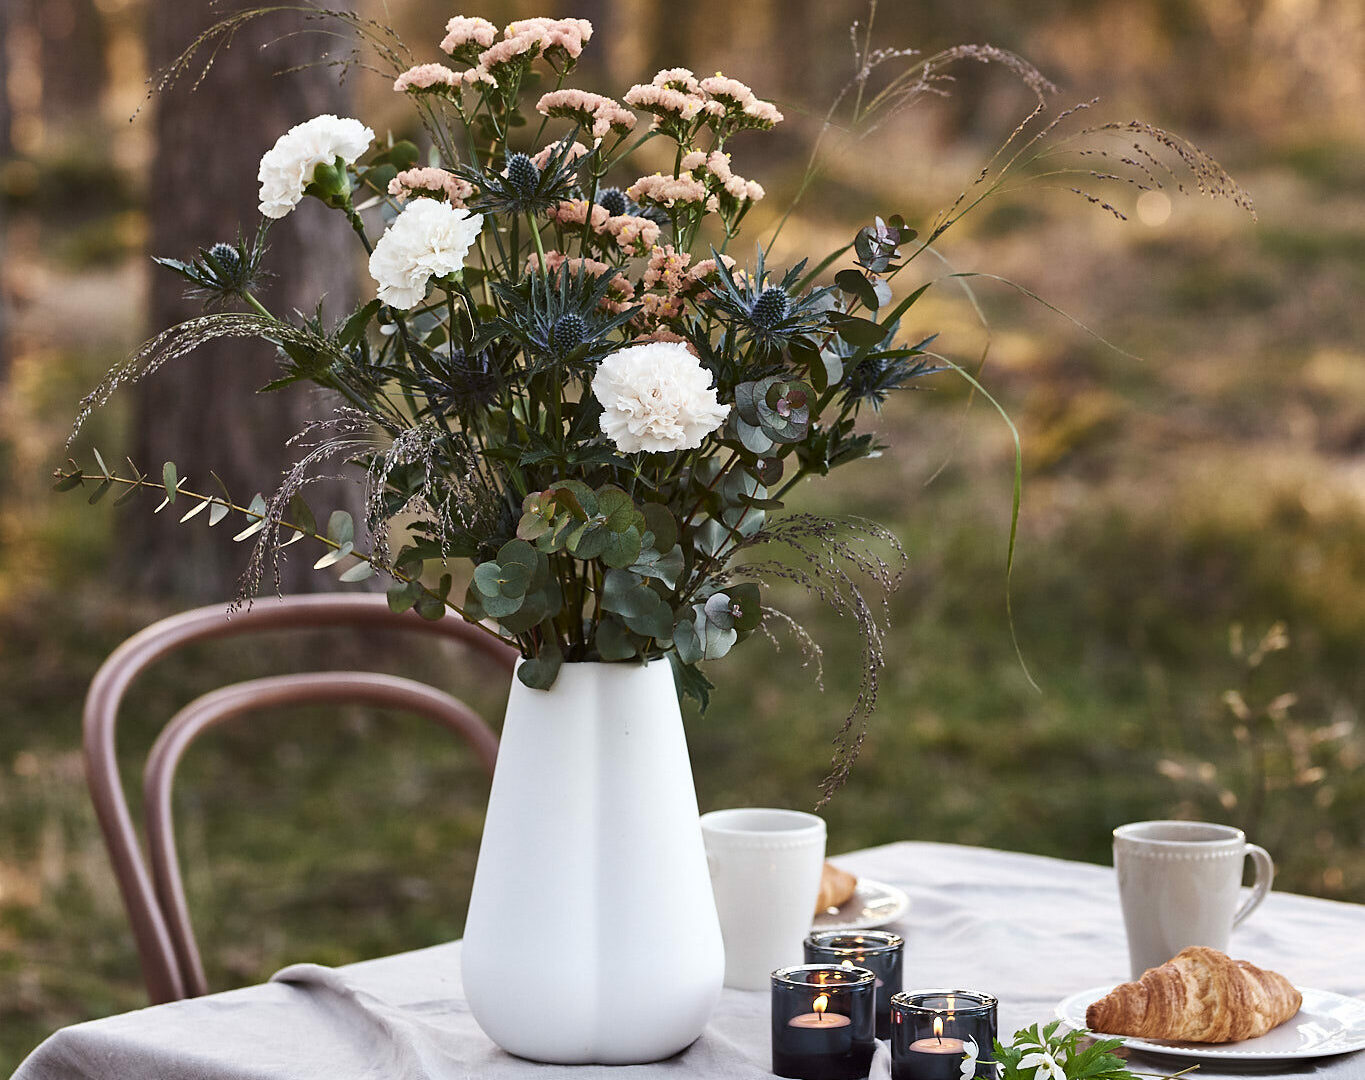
(937, 1046)
(820, 1020)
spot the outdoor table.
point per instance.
(1029, 929)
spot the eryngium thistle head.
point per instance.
(522, 174)
(568, 333)
(613, 200)
(228, 259)
(770, 308)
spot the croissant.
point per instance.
(836, 888)
(1200, 996)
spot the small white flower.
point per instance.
(287, 167)
(969, 1055)
(1047, 1066)
(656, 397)
(429, 239)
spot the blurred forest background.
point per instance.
(1190, 584)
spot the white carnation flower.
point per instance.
(656, 397)
(430, 238)
(287, 167)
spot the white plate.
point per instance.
(872, 904)
(1326, 1024)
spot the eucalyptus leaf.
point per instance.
(334, 556)
(403, 595)
(340, 527)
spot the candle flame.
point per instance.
(847, 964)
(938, 1027)
(820, 1004)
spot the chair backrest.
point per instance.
(155, 901)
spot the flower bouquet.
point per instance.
(573, 381)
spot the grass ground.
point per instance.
(1171, 504)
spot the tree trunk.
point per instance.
(72, 63)
(202, 411)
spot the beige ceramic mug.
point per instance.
(1179, 884)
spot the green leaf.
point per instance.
(340, 528)
(249, 531)
(194, 511)
(104, 469)
(100, 492)
(300, 514)
(335, 556)
(131, 493)
(745, 606)
(73, 480)
(354, 328)
(217, 511)
(660, 521)
(540, 672)
(614, 641)
(403, 596)
(855, 284)
(588, 541)
(430, 607)
(359, 572)
(171, 481)
(622, 549)
(857, 332)
(666, 568)
(686, 642)
(690, 682)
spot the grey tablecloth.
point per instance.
(1029, 929)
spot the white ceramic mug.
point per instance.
(1179, 883)
(765, 871)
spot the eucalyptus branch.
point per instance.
(219, 507)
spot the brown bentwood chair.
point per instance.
(155, 901)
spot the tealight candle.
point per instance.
(822, 1022)
(879, 951)
(934, 1031)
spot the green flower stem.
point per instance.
(734, 456)
(359, 227)
(540, 247)
(256, 305)
(397, 574)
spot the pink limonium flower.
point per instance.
(667, 190)
(503, 58)
(428, 78)
(467, 37)
(563, 37)
(542, 157)
(672, 109)
(575, 212)
(678, 78)
(598, 114)
(667, 269)
(730, 92)
(697, 276)
(637, 235)
(433, 182)
(734, 185)
(740, 108)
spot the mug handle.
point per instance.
(1265, 875)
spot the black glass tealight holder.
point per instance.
(880, 951)
(823, 1022)
(933, 1031)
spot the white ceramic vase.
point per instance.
(592, 934)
